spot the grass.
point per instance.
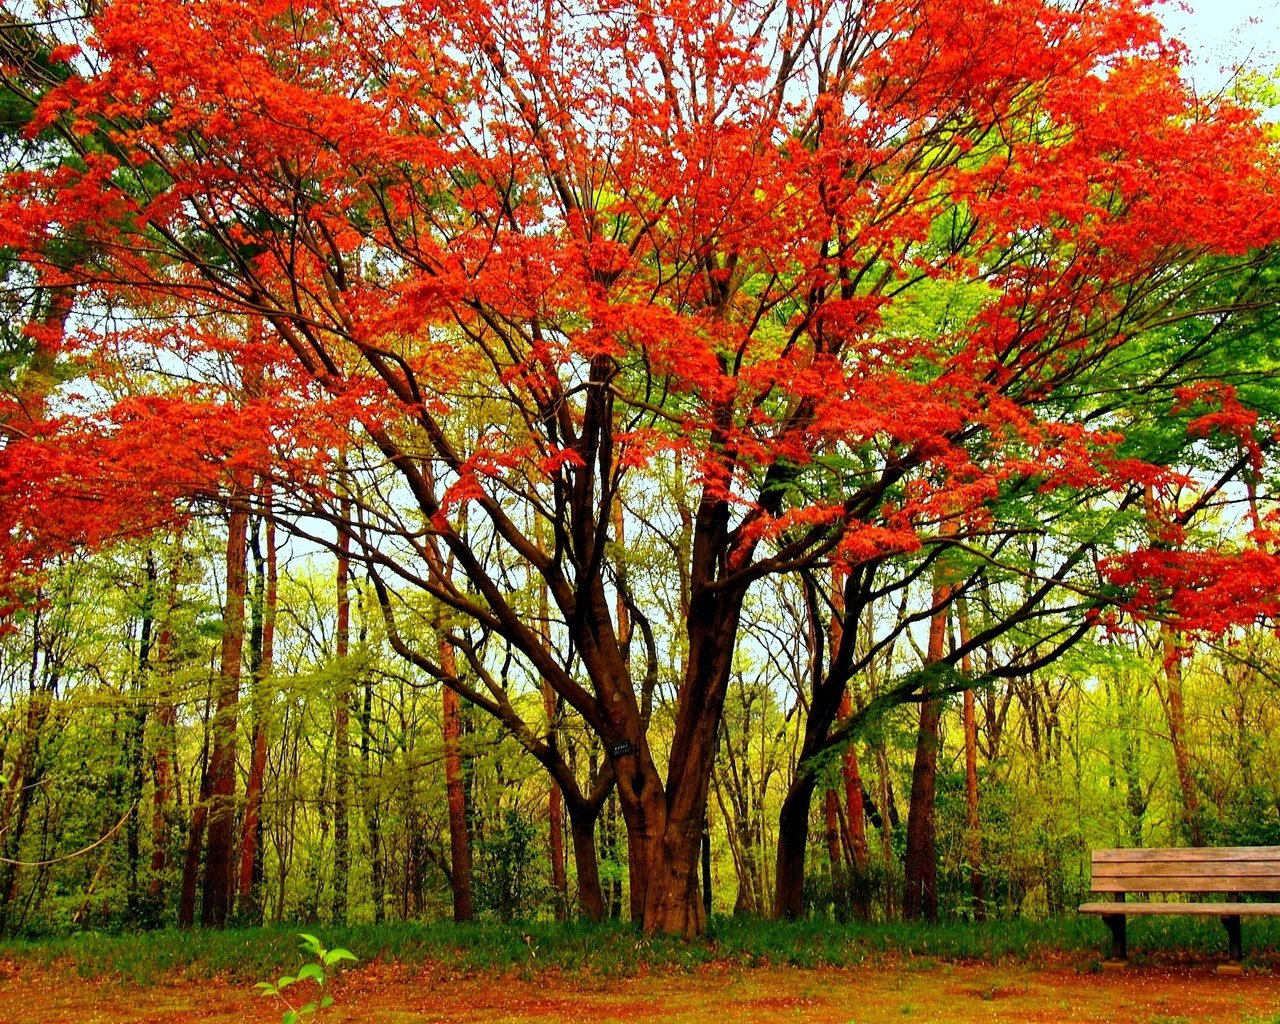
(617, 950)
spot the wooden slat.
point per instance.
(1189, 883)
(1176, 853)
(1189, 869)
(1198, 909)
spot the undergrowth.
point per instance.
(615, 949)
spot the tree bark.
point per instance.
(163, 770)
(824, 706)
(266, 589)
(555, 819)
(372, 804)
(217, 889)
(582, 829)
(1176, 716)
(342, 727)
(195, 840)
(135, 759)
(920, 875)
(555, 801)
(459, 831)
(793, 839)
(973, 821)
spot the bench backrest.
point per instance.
(1172, 869)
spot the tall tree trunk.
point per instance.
(706, 867)
(555, 819)
(888, 823)
(266, 588)
(582, 829)
(832, 813)
(855, 813)
(342, 727)
(459, 830)
(135, 759)
(164, 769)
(195, 840)
(555, 800)
(973, 821)
(217, 890)
(920, 875)
(372, 804)
(1176, 716)
(824, 706)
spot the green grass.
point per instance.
(614, 949)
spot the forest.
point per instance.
(655, 461)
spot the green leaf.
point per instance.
(306, 1009)
(267, 989)
(325, 1002)
(290, 1017)
(285, 981)
(309, 940)
(313, 971)
(333, 956)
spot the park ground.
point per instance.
(486, 979)
(908, 991)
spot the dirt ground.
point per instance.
(913, 991)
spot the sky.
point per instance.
(1224, 33)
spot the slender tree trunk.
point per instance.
(135, 760)
(793, 818)
(1176, 716)
(342, 729)
(555, 801)
(834, 856)
(973, 821)
(195, 839)
(888, 822)
(555, 819)
(920, 876)
(266, 587)
(459, 831)
(163, 772)
(372, 803)
(706, 867)
(219, 849)
(609, 847)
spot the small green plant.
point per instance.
(320, 970)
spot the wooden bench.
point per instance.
(1230, 870)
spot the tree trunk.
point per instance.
(555, 819)
(555, 801)
(216, 901)
(195, 839)
(164, 769)
(1176, 716)
(920, 876)
(668, 826)
(135, 759)
(266, 589)
(459, 831)
(793, 841)
(372, 816)
(342, 730)
(582, 829)
(973, 821)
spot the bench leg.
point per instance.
(1235, 948)
(1119, 945)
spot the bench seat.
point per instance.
(1222, 873)
(1202, 909)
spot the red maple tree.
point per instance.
(832, 263)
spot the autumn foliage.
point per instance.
(857, 273)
